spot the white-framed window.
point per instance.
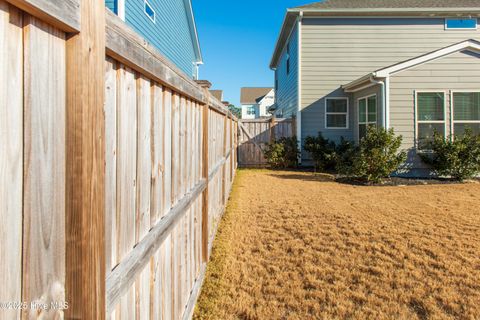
(336, 113)
(251, 111)
(461, 24)
(430, 115)
(367, 114)
(149, 11)
(465, 112)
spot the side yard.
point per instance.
(297, 246)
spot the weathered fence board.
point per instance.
(256, 134)
(44, 168)
(11, 155)
(146, 209)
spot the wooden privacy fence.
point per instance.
(254, 135)
(115, 168)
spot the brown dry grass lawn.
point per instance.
(295, 246)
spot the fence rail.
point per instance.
(116, 167)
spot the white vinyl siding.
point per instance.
(336, 51)
(459, 71)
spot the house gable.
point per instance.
(372, 78)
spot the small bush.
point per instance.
(376, 158)
(322, 151)
(282, 153)
(344, 154)
(459, 159)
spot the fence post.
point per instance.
(85, 176)
(205, 170)
(272, 129)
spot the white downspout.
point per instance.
(384, 104)
(387, 103)
(299, 80)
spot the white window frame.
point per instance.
(347, 113)
(460, 18)
(358, 107)
(145, 4)
(445, 124)
(452, 111)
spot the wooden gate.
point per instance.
(254, 135)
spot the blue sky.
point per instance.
(237, 40)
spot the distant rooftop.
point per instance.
(217, 94)
(253, 95)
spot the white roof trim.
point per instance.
(470, 45)
(438, 10)
(193, 30)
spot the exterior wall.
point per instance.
(374, 90)
(266, 102)
(170, 33)
(336, 51)
(287, 92)
(244, 111)
(459, 71)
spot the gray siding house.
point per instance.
(411, 65)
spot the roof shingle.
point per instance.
(217, 94)
(252, 95)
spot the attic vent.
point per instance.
(149, 11)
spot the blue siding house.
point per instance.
(169, 25)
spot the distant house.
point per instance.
(411, 65)
(256, 102)
(169, 25)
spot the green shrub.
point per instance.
(458, 158)
(376, 158)
(322, 151)
(344, 154)
(282, 153)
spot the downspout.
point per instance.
(387, 103)
(383, 99)
(121, 9)
(299, 80)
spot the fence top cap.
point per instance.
(204, 83)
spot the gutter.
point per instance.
(368, 81)
(370, 11)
